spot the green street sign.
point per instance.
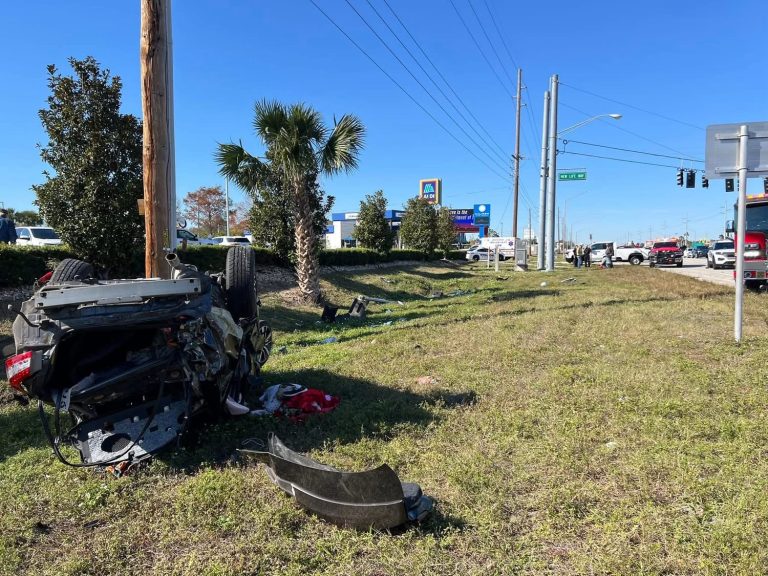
(572, 176)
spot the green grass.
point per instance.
(606, 426)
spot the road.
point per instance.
(697, 268)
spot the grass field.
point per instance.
(604, 426)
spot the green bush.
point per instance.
(349, 257)
(20, 265)
(214, 258)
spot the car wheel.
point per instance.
(635, 259)
(709, 264)
(652, 264)
(715, 266)
(240, 273)
(679, 264)
(71, 270)
(475, 258)
(265, 339)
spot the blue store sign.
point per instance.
(482, 215)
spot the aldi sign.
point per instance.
(431, 190)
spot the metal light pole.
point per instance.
(517, 154)
(226, 203)
(552, 174)
(543, 184)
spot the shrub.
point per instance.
(24, 264)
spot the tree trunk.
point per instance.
(307, 264)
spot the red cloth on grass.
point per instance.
(311, 401)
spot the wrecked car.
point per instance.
(132, 362)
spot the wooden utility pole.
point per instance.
(157, 98)
(517, 154)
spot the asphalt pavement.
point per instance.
(697, 268)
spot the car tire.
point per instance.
(709, 264)
(679, 264)
(265, 333)
(475, 258)
(652, 264)
(71, 270)
(715, 266)
(240, 274)
(635, 259)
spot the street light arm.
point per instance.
(587, 121)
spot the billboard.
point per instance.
(431, 190)
(463, 219)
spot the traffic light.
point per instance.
(704, 182)
(690, 179)
(729, 184)
(680, 177)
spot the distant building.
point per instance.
(338, 234)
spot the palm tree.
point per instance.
(299, 148)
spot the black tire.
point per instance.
(475, 258)
(70, 270)
(715, 266)
(240, 273)
(265, 334)
(501, 258)
(679, 264)
(652, 264)
(709, 264)
(635, 259)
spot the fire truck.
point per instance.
(755, 260)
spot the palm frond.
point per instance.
(342, 150)
(270, 119)
(307, 124)
(239, 166)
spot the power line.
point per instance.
(504, 158)
(481, 50)
(629, 150)
(634, 107)
(396, 83)
(616, 159)
(415, 78)
(482, 29)
(448, 84)
(488, 8)
(616, 127)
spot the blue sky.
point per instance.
(686, 64)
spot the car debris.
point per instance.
(569, 280)
(329, 313)
(133, 363)
(359, 305)
(372, 499)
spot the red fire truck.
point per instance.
(755, 260)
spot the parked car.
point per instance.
(665, 253)
(481, 253)
(37, 236)
(182, 235)
(721, 254)
(701, 251)
(689, 253)
(230, 241)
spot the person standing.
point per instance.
(7, 228)
(608, 259)
(587, 257)
(579, 255)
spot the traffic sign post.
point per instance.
(738, 150)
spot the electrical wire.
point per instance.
(415, 78)
(616, 159)
(629, 150)
(503, 157)
(408, 94)
(482, 53)
(448, 84)
(488, 8)
(633, 107)
(615, 126)
(482, 29)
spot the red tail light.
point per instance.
(18, 368)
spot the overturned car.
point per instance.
(131, 362)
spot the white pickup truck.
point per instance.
(632, 254)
